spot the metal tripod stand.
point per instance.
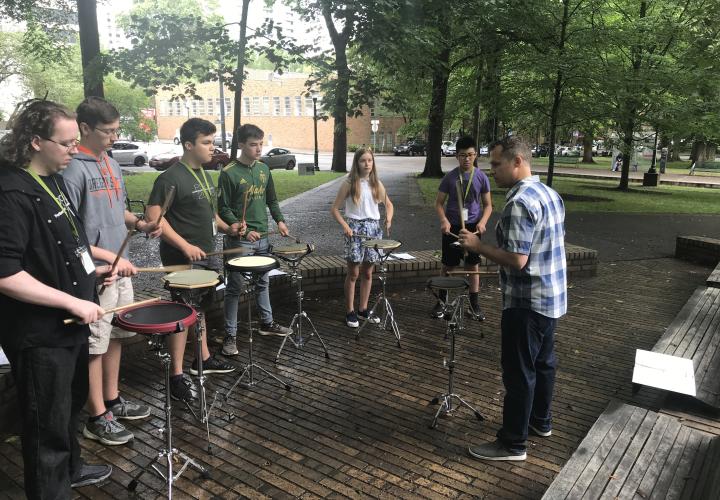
(296, 336)
(157, 344)
(388, 318)
(454, 317)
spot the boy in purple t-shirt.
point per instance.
(477, 207)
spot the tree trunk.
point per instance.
(342, 89)
(587, 147)
(239, 80)
(675, 149)
(90, 48)
(554, 111)
(436, 115)
(702, 151)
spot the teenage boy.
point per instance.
(96, 188)
(476, 209)
(248, 175)
(46, 275)
(189, 230)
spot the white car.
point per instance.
(129, 153)
(448, 148)
(483, 151)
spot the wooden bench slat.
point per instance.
(682, 318)
(656, 456)
(682, 471)
(667, 472)
(696, 329)
(694, 480)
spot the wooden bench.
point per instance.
(631, 452)
(695, 334)
(571, 161)
(700, 249)
(706, 166)
(714, 278)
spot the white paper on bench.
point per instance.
(663, 371)
(276, 272)
(3, 358)
(401, 256)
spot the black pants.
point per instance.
(52, 387)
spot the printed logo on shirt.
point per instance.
(242, 181)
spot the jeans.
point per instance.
(52, 387)
(528, 365)
(234, 286)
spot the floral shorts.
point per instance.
(354, 251)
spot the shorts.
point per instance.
(354, 251)
(119, 293)
(452, 255)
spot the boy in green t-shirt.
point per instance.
(248, 175)
(189, 229)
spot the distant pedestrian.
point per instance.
(617, 165)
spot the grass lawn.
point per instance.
(587, 195)
(603, 163)
(287, 182)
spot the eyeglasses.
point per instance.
(109, 131)
(462, 156)
(69, 146)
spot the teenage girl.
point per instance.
(362, 192)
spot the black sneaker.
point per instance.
(438, 310)
(91, 474)
(539, 432)
(351, 320)
(475, 312)
(275, 328)
(495, 451)
(212, 365)
(183, 389)
(366, 316)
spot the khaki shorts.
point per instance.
(120, 293)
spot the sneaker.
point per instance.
(107, 430)
(538, 432)
(183, 389)
(365, 316)
(438, 310)
(475, 312)
(495, 451)
(351, 320)
(275, 328)
(91, 474)
(212, 365)
(229, 347)
(127, 410)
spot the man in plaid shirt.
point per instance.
(531, 256)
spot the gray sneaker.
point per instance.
(275, 328)
(229, 347)
(127, 410)
(107, 430)
(495, 451)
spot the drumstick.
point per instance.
(169, 197)
(479, 273)
(461, 206)
(363, 236)
(247, 192)
(117, 257)
(229, 251)
(164, 269)
(70, 321)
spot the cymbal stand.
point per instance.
(388, 317)
(249, 370)
(169, 453)
(296, 336)
(454, 316)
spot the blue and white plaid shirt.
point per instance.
(532, 224)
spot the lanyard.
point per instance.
(467, 188)
(63, 207)
(205, 187)
(114, 181)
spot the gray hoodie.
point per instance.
(98, 193)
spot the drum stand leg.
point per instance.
(169, 453)
(454, 325)
(296, 324)
(388, 317)
(250, 368)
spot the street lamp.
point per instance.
(314, 100)
(187, 107)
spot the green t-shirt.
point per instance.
(191, 213)
(256, 179)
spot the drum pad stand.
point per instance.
(388, 318)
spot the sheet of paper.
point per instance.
(663, 371)
(402, 256)
(276, 272)
(3, 358)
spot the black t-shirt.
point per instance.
(37, 238)
(191, 213)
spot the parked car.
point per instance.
(410, 148)
(163, 161)
(218, 139)
(540, 150)
(279, 158)
(448, 148)
(483, 151)
(129, 153)
(176, 137)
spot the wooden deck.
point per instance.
(356, 425)
(714, 278)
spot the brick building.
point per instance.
(281, 106)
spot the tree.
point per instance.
(10, 55)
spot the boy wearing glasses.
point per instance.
(476, 209)
(95, 185)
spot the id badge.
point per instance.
(465, 214)
(85, 258)
(214, 224)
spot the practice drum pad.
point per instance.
(158, 318)
(192, 278)
(293, 250)
(381, 244)
(447, 283)
(253, 264)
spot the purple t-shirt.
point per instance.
(480, 184)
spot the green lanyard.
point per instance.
(63, 208)
(205, 187)
(467, 188)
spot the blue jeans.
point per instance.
(235, 282)
(52, 387)
(528, 365)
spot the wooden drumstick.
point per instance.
(117, 257)
(164, 269)
(479, 273)
(169, 197)
(229, 251)
(245, 199)
(70, 321)
(461, 206)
